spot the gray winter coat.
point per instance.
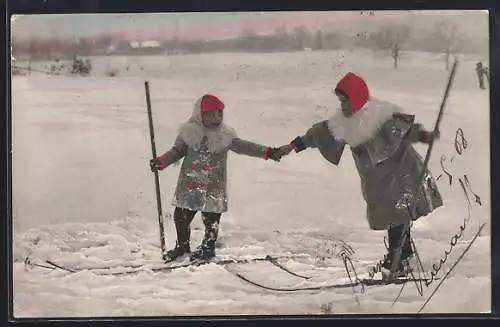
(387, 163)
(203, 175)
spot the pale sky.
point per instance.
(221, 25)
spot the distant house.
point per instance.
(111, 49)
(136, 48)
(150, 44)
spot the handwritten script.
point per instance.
(461, 145)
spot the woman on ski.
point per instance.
(204, 141)
(380, 137)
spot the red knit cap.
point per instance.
(210, 103)
(356, 90)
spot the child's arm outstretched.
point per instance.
(254, 150)
(317, 137)
(176, 153)
(300, 143)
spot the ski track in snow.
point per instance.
(84, 197)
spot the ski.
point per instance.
(165, 267)
(107, 271)
(29, 264)
(280, 266)
(59, 266)
(224, 262)
(358, 282)
(109, 267)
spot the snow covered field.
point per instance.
(84, 195)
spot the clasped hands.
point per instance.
(277, 154)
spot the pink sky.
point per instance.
(227, 28)
(135, 27)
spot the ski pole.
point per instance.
(421, 177)
(438, 120)
(157, 181)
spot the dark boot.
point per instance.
(178, 251)
(182, 219)
(396, 234)
(206, 250)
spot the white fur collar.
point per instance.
(364, 124)
(217, 140)
(192, 132)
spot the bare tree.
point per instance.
(83, 46)
(103, 41)
(393, 39)
(281, 38)
(248, 39)
(281, 32)
(319, 40)
(302, 37)
(446, 37)
(34, 48)
(175, 38)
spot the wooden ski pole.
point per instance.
(157, 181)
(421, 177)
(451, 78)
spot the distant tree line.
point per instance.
(53, 48)
(443, 38)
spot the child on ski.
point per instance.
(204, 141)
(380, 137)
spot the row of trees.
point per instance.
(50, 48)
(443, 38)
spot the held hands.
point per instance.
(277, 154)
(274, 154)
(285, 149)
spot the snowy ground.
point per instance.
(84, 195)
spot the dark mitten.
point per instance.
(157, 164)
(297, 144)
(274, 154)
(426, 136)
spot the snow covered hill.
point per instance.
(84, 195)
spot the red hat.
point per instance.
(210, 103)
(356, 90)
